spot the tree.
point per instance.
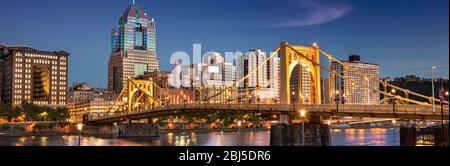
(7, 111)
(31, 111)
(34, 112)
(63, 113)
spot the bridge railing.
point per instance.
(326, 108)
(312, 107)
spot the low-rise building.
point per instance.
(161, 78)
(86, 100)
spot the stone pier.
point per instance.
(315, 134)
(138, 130)
(123, 130)
(100, 130)
(436, 136)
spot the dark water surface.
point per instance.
(340, 137)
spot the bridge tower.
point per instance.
(141, 95)
(291, 63)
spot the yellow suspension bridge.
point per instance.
(143, 99)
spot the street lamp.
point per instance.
(343, 99)
(302, 116)
(80, 130)
(258, 99)
(167, 101)
(184, 101)
(337, 100)
(432, 86)
(393, 100)
(229, 101)
(293, 101)
(239, 123)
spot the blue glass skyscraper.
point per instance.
(133, 47)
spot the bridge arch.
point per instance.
(307, 73)
(302, 77)
(140, 94)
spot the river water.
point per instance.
(340, 137)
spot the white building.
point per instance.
(213, 72)
(265, 79)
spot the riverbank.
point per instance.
(163, 131)
(212, 130)
(35, 134)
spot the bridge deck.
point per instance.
(377, 111)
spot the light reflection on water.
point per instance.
(340, 137)
(366, 137)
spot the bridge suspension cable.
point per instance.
(120, 96)
(138, 88)
(353, 81)
(406, 91)
(246, 76)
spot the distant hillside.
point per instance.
(419, 85)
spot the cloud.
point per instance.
(314, 13)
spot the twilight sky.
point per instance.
(403, 36)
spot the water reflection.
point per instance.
(366, 137)
(340, 137)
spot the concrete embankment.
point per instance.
(37, 129)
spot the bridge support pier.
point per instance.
(315, 134)
(138, 130)
(128, 121)
(412, 136)
(284, 119)
(126, 129)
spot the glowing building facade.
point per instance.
(38, 77)
(359, 75)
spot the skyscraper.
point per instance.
(325, 86)
(352, 91)
(133, 48)
(213, 72)
(265, 80)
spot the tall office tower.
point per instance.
(248, 63)
(265, 79)
(325, 83)
(38, 77)
(352, 91)
(133, 48)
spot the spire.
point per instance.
(134, 10)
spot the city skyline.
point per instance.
(89, 46)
